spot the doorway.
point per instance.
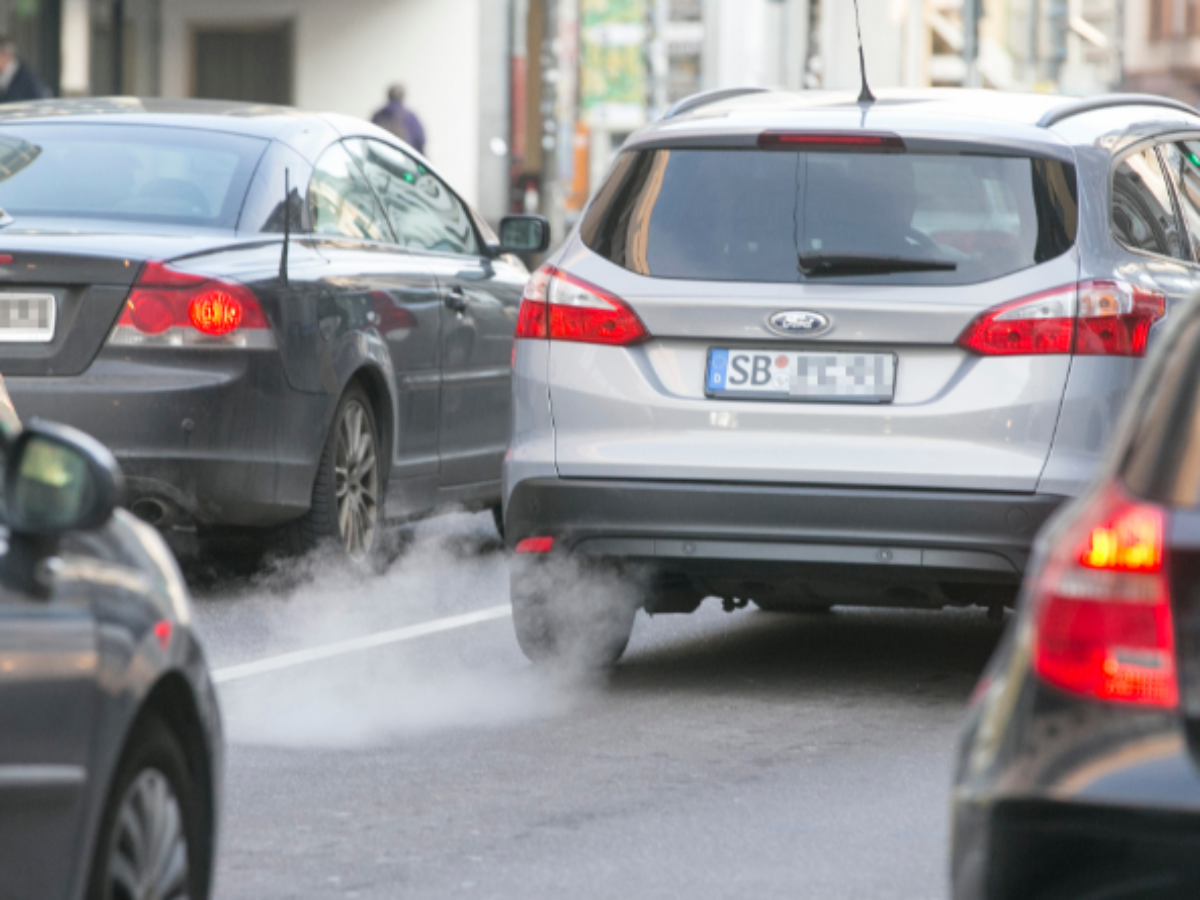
(251, 63)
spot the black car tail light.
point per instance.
(1101, 605)
(170, 308)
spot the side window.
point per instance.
(1143, 216)
(422, 210)
(1183, 166)
(340, 199)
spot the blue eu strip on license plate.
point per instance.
(801, 376)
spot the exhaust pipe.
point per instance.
(149, 510)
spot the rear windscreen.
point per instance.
(126, 172)
(751, 215)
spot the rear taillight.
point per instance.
(1092, 318)
(536, 546)
(169, 308)
(561, 307)
(1101, 605)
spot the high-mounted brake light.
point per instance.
(1102, 617)
(561, 307)
(1092, 318)
(170, 308)
(831, 142)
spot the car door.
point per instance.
(48, 702)
(373, 284)
(481, 297)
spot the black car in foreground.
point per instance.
(1078, 774)
(110, 737)
(285, 325)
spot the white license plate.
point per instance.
(27, 318)
(802, 377)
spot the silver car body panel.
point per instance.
(958, 422)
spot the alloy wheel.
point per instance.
(148, 859)
(356, 479)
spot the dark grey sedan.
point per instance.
(287, 326)
(110, 738)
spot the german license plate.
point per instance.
(801, 377)
(27, 318)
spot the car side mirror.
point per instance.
(524, 235)
(56, 480)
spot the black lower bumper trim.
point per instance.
(690, 522)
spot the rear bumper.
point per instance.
(210, 438)
(682, 524)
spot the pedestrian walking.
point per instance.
(400, 120)
(18, 82)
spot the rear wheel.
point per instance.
(152, 833)
(570, 613)
(348, 490)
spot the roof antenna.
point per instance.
(865, 95)
(287, 226)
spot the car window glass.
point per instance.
(423, 211)
(173, 176)
(737, 215)
(1183, 165)
(1163, 461)
(1143, 217)
(340, 199)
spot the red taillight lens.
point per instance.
(535, 545)
(1115, 318)
(1093, 318)
(562, 307)
(169, 308)
(1043, 323)
(1102, 607)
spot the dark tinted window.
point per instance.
(1143, 216)
(747, 215)
(142, 173)
(424, 212)
(1163, 460)
(340, 200)
(1183, 166)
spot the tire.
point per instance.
(154, 791)
(347, 493)
(565, 612)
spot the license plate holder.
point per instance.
(800, 376)
(27, 318)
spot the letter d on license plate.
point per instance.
(801, 377)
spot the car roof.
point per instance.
(1029, 119)
(250, 119)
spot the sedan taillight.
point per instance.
(561, 307)
(1101, 605)
(169, 308)
(1092, 318)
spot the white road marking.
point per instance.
(353, 645)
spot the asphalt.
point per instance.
(752, 754)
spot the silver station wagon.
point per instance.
(806, 351)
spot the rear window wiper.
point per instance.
(816, 265)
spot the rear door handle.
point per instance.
(456, 300)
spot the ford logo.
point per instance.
(794, 322)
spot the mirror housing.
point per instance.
(58, 479)
(524, 235)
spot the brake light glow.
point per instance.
(170, 308)
(535, 545)
(846, 142)
(1103, 625)
(561, 307)
(1092, 318)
